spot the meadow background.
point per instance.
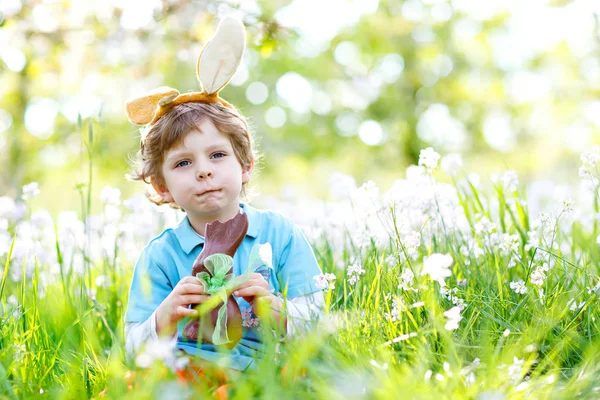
(439, 155)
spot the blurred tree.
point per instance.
(355, 86)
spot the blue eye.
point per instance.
(220, 154)
(181, 162)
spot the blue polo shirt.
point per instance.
(170, 256)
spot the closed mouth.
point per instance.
(209, 191)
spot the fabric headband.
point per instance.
(217, 63)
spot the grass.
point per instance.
(61, 331)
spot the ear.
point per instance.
(162, 190)
(222, 55)
(142, 109)
(247, 172)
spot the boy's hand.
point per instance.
(175, 307)
(253, 288)
(256, 290)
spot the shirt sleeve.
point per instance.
(302, 311)
(149, 287)
(297, 266)
(138, 333)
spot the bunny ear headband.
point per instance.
(217, 63)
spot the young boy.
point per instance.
(199, 157)
(197, 152)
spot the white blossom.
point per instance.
(437, 266)
(429, 159)
(162, 349)
(510, 181)
(354, 272)
(568, 204)
(518, 287)
(452, 163)
(406, 280)
(30, 190)
(454, 317)
(325, 281)
(538, 276)
(341, 186)
(484, 226)
(509, 244)
(515, 370)
(110, 195)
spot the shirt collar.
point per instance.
(188, 238)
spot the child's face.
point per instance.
(203, 175)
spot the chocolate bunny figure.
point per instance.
(223, 238)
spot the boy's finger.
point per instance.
(186, 312)
(190, 279)
(251, 291)
(254, 282)
(191, 288)
(257, 276)
(194, 298)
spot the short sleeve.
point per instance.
(149, 287)
(297, 266)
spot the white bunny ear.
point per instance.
(222, 55)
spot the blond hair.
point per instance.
(170, 130)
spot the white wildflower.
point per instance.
(484, 226)
(514, 370)
(429, 159)
(354, 272)
(383, 366)
(325, 281)
(428, 375)
(397, 304)
(341, 186)
(415, 173)
(518, 287)
(162, 349)
(110, 195)
(470, 379)
(437, 266)
(538, 277)
(533, 240)
(546, 220)
(412, 241)
(589, 160)
(573, 306)
(406, 280)
(102, 281)
(521, 386)
(593, 289)
(454, 318)
(452, 163)
(30, 190)
(509, 244)
(3, 224)
(401, 338)
(510, 181)
(391, 260)
(568, 204)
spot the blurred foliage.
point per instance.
(507, 86)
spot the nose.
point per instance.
(203, 172)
